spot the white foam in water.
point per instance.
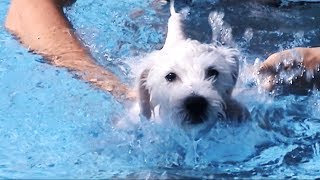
(221, 31)
(248, 34)
(167, 146)
(55, 126)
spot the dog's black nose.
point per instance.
(196, 109)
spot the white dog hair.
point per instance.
(187, 82)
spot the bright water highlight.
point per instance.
(53, 125)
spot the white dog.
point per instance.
(187, 82)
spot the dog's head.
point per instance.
(190, 82)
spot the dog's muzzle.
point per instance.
(196, 108)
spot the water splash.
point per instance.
(221, 31)
(55, 126)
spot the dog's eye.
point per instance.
(211, 73)
(171, 77)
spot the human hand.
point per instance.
(131, 95)
(292, 70)
(122, 92)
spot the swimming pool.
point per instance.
(53, 125)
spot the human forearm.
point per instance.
(301, 64)
(308, 57)
(311, 57)
(42, 27)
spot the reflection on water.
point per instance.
(54, 126)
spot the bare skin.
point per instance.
(41, 26)
(306, 58)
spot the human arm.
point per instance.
(42, 27)
(304, 60)
(310, 57)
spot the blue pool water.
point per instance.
(53, 125)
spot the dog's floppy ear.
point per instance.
(175, 27)
(144, 95)
(234, 57)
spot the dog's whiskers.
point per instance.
(208, 74)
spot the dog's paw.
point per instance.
(236, 111)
